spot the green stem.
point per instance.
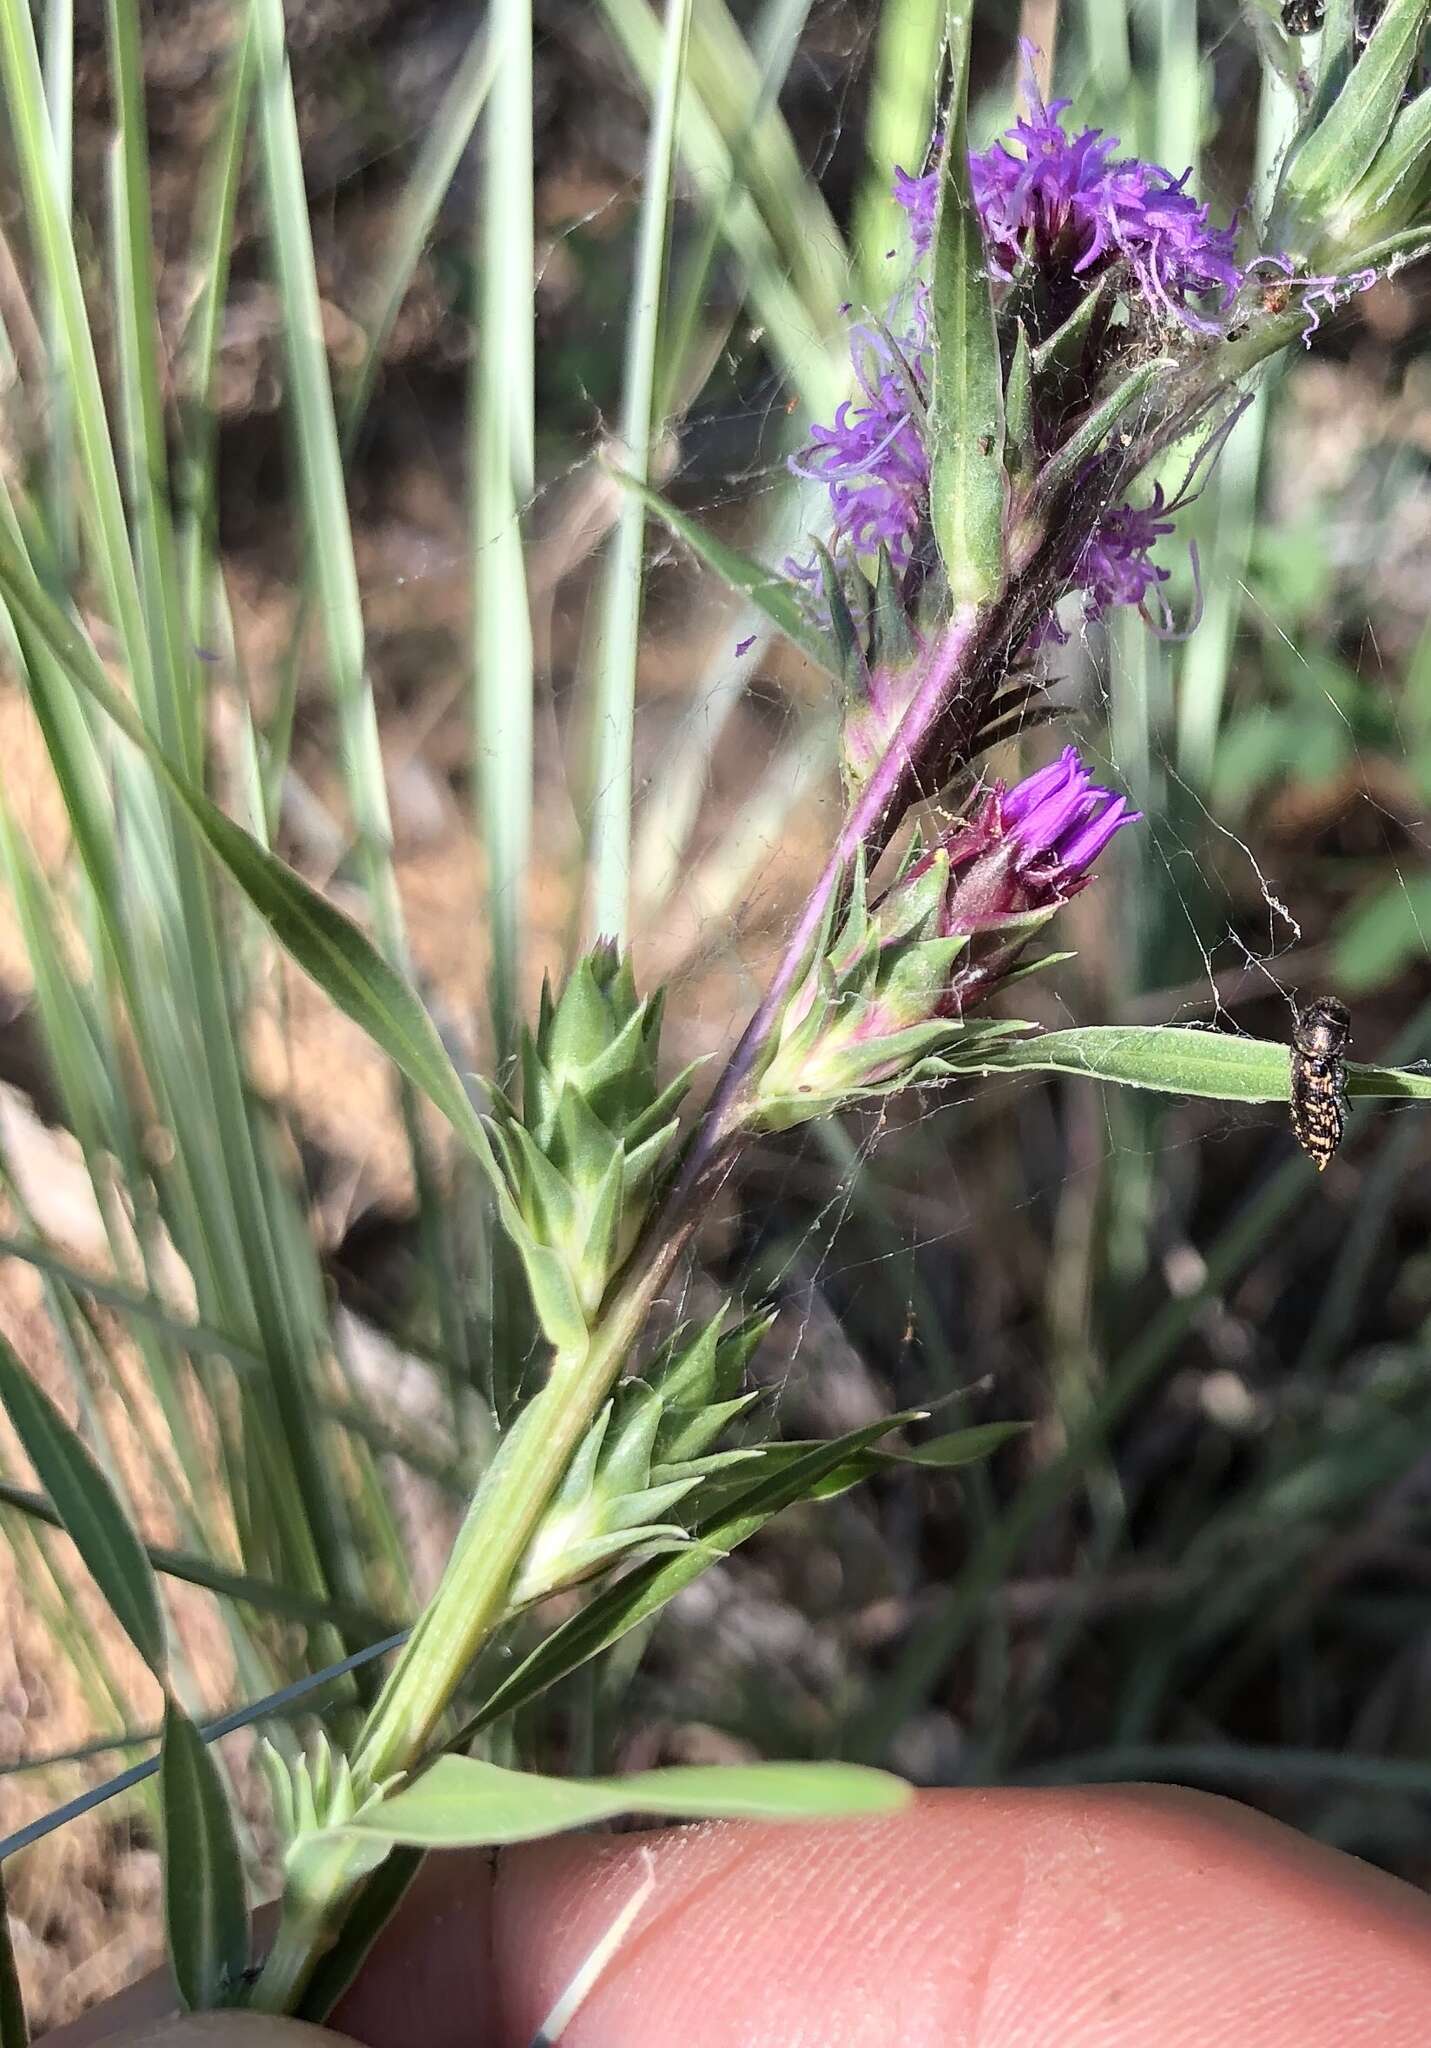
(470, 1602)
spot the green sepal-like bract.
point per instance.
(870, 1014)
(1353, 175)
(310, 1795)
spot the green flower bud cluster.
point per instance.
(311, 1794)
(870, 1016)
(582, 1156)
(647, 1451)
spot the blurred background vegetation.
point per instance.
(1209, 1558)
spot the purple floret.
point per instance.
(919, 197)
(1067, 203)
(1117, 566)
(1061, 821)
(872, 458)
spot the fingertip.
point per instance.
(985, 1919)
(429, 1978)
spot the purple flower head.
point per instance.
(1068, 205)
(872, 458)
(1065, 202)
(1009, 864)
(1060, 821)
(1025, 849)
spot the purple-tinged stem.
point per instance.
(928, 704)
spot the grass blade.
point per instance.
(502, 431)
(324, 942)
(608, 859)
(898, 128)
(263, 1594)
(447, 137)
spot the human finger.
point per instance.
(999, 1919)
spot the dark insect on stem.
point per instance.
(1303, 17)
(1319, 1082)
(1368, 14)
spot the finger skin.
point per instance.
(1105, 1918)
(427, 1983)
(1137, 1917)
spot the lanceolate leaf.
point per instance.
(960, 1447)
(771, 593)
(966, 409)
(90, 1513)
(205, 1911)
(462, 1802)
(1181, 1061)
(1343, 147)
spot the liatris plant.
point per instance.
(1073, 316)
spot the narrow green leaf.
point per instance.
(744, 1506)
(1061, 470)
(501, 438)
(891, 638)
(1182, 1061)
(462, 1802)
(14, 2028)
(1020, 454)
(966, 409)
(960, 1447)
(1405, 157)
(940, 1454)
(771, 593)
(1342, 148)
(843, 631)
(87, 1507)
(1064, 349)
(1338, 53)
(205, 1910)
